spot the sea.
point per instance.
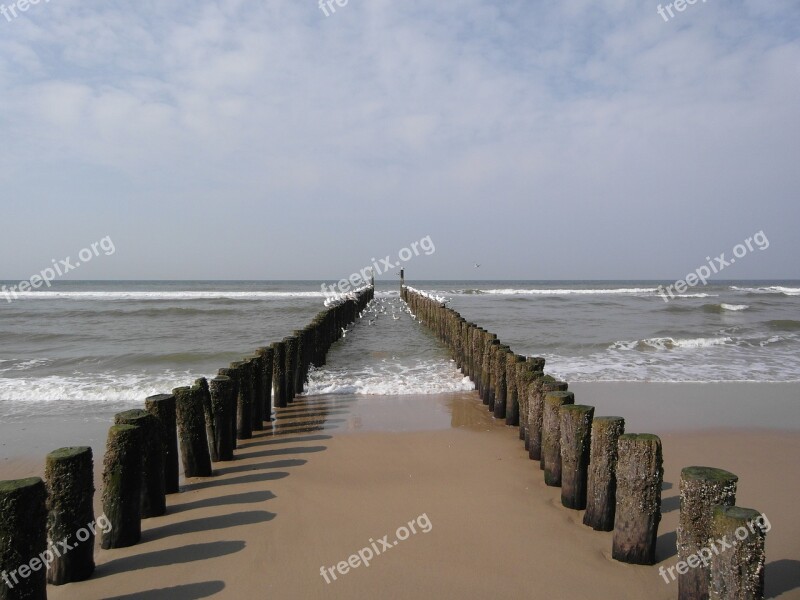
(96, 347)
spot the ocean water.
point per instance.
(98, 347)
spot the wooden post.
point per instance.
(640, 475)
(512, 395)
(738, 572)
(279, 373)
(122, 487)
(500, 381)
(601, 496)
(192, 432)
(291, 367)
(162, 407)
(223, 403)
(543, 386)
(233, 418)
(257, 396)
(69, 479)
(701, 488)
(244, 410)
(154, 499)
(23, 537)
(267, 358)
(551, 436)
(576, 435)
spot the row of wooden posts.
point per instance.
(201, 424)
(615, 476)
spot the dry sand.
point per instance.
(339, 471)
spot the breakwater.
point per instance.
(616, 477)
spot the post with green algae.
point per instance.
(154, 499)
(640, 475)
(232, 417)
(244, 411)
(279, 374)
(601, 494)
(551, 436)
(500, 381)
(23, 536)
(512, 395)
(537, 393)
(122, 486)
(701, 489)
(223, 403)
(257, 396)
(192, 432)
(162, 407)
(291, 367)
(208, 416)
(69, 480)
(738, 572)
(267, 358)
(576, 435)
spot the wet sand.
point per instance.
(338, 471)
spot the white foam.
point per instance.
(773, 289)
(567, 292)
(668, 343)
(734, 307)
(176, 295)
(390, 379)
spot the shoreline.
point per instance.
(337, 471)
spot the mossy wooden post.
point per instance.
(601, 494)
(299, 373)
(23, 536)
(267, 358)
(69, 479)
(576, 437)
(536, 394)
(640, 475)
(208, 415)
(701, 489)
(192, 432)
(154, 499)
(551, 436)
(527, 380)
(738, 572)
(233, 375)
(223, 402)
(291, 367)
(244, 411)
(512, 398)
(122, 486)
(257, 397)
(162, 407)
(500, 381)
(279, 374)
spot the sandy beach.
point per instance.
(338, 473)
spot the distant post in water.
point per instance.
(738, 572)
(601, 493)
(122, 486)
(23, 536)
(576, 433)
(69, 478)
(640, 475)
(701, 489)
(162, 407)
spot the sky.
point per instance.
(244, 139)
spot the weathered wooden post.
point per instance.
(154, 499)
(576, 434)
(537, 392)
(233, 418)
(257, 396)
(192, 432)
(601, 495)
(500, 381)
(162, 407)
(223, 402)
(701, 489)
(512, 380)
(267, 359)
(279, 374)
(244, 410)
(122, 486)
(23, 537)
(291, 367)
(738, 572)
(640, 475)
(69, 479)
(551, 436)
